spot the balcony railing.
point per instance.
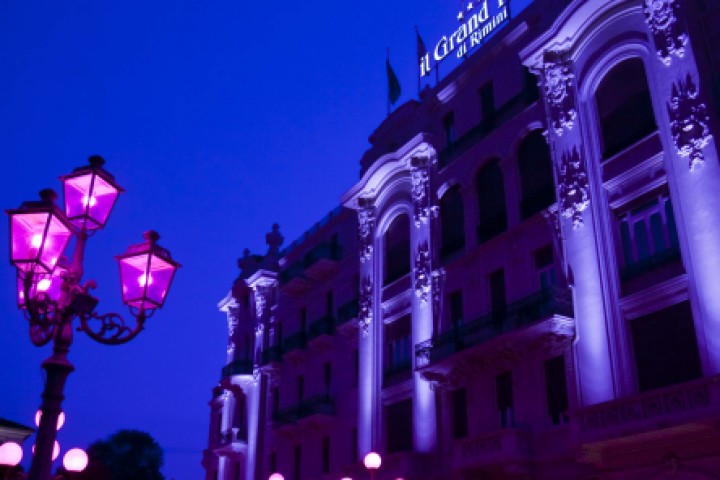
(272, 354)
(233, 435)
(397, 372)
(316, 405)
(348, 311)
(238, 367)
(662, 258)
(296, 341)
(323, 326)
(507, 111)
(526, 311)
(491, 227)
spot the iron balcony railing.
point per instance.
(533, 308)
(233, 435)
(296, 341)
(348, 311)
(237, 367)
(659, 259)
(397, 372)
(316, 405)
(322, 326)
(508, 110)
(272, 354)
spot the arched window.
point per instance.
(491, 202)
(452, 222)
(624, 107)
(397, 249)
(536, 176)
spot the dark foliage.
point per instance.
(125, 455)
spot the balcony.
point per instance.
(683, 415)
(295, 346)
(347, 315)
(321, 332)
(233, 440)
(397, 372)
(238, 367)
(505, 112)
(316, 412)
(322, 260)
(272, 354)
(293, 281)
(651, 270)
(545, 313)
(491, 227)
(505, 452)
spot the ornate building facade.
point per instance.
(522, 284)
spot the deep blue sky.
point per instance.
(219, 118)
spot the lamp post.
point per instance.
(50, 288)
(372, 462)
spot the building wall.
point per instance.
(548, 307)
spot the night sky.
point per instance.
(218, 118)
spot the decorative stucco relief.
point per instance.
(423, 277)
(366, 229)
(420, 179)
(558, 82)
(670, 38)
(573, 187)
(689, 121)
(366, 305)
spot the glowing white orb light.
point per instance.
(75, 460)
(372, 461)
(10, 454)
(60, 423)
(276, 476)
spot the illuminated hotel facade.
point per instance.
(524, 283)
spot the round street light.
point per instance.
(10, 454)
(50, 288)
(372, 462)
(75, 460)
(276, 476)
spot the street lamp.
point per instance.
(50, 289)
(372, 462)
(276, 476)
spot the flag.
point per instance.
(393, 83)
(421, 50)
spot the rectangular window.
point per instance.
(449, 129)
(300, 388)
(354, 445)
(329, 303)
(398, 426)
(455, 299)
(545, 267)
(275, 400)
(556, 390)
(328, 377)
(398, 350)
(326, 455)
(665, 347)
(504, 391)
(459, 413)
(297, 465)
(487, 105)
(498, 301)
(303, 320)
(648, 233)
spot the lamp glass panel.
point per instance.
(161, 275)
(49, 284)
(32, 245)
(89, 202)
(133, 271)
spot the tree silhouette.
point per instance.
(125, 455)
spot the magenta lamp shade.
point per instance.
(90, 194)
(44, 285)
(146, 272)
(39, 234)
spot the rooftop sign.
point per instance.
(478, 21)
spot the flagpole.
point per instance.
(417, 36)
(387, 60)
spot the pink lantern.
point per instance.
(90, 194)
(146, 272)
(47, 285)
(39, 234)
